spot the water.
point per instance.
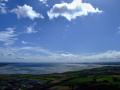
(42, 68)
(47, 68)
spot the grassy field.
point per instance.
(105, 78)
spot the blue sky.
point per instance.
(59, 30)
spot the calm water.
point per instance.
(42, 68)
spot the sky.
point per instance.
(59, 30)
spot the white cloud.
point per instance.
(119, 27)
(4, 0)
(43, 1)
(108, 56)
(8, 37)
(3, 8)
(24, 42)
(30, 30)
(118, 30)
(38, 54)
(26, 11)
(72, 10)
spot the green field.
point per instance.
(105, 78)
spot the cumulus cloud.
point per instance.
(72, 10)
(26, 11)
(8, 36)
